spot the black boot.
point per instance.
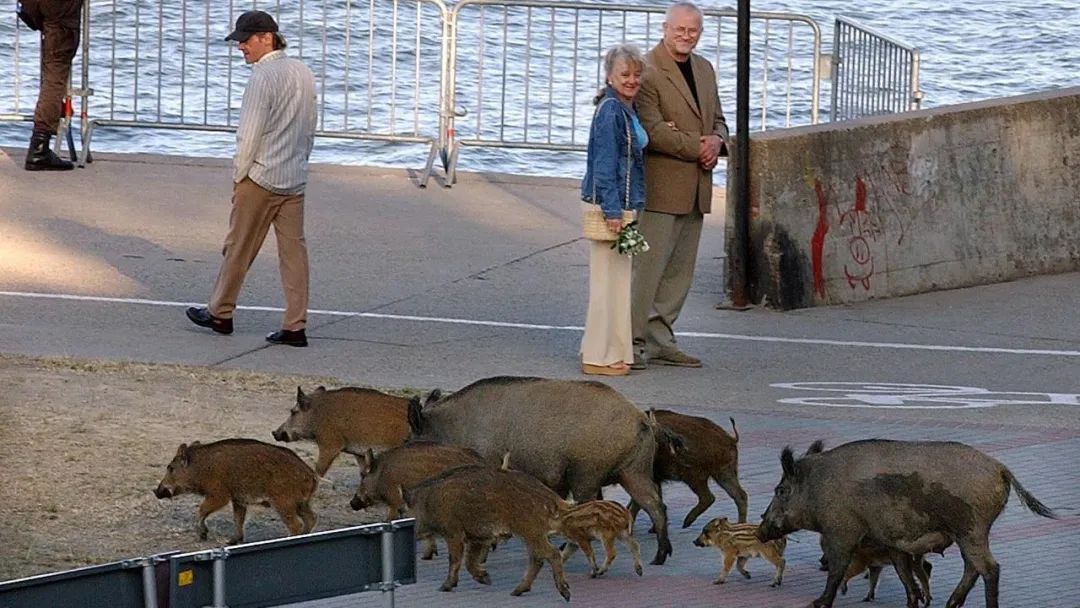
(40, 158)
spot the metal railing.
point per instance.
(165, 65)
(523, 72)
(872, 73)
(374, 557)
(492, 73)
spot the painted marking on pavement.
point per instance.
(577, 328)
(916, 396)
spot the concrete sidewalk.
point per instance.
(440, 287)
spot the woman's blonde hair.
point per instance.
(625, 51)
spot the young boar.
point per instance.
(873, 557)
(406, 466)
(739, 542)
(346, 420)
(603, 520)
(244, 472)
(707, 451)
(911, 497)
(473, 507)
(574, 436)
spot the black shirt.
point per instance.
(688, 74)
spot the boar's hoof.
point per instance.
(446, 587)
(519, 590)
(637, 568)
(564, 591)
(484, 578)
(718, 581)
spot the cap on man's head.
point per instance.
(250, 23)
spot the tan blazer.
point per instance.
(673, 179)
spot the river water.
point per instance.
(971, 50)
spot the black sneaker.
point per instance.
(290, 338)
(203, 318)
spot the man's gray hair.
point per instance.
(684, 5)
(625, 51)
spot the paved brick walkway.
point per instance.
(1039, 557)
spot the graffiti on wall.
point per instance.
(856, 216)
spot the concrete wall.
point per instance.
(935, 199)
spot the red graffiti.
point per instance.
(864, 230)
(818, 241)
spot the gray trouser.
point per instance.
(662, 277)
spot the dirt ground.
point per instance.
(83, 444)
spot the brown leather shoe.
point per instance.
(203, 318)
(676, 358)
(288, 338)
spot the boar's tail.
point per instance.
(1027, 498)
(734, 430)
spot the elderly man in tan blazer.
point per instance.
(680, 110)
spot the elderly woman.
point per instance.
(615, 181)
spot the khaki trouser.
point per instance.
(662, 278)
(254, 209)
(607, 338)
(59, 41)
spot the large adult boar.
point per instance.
(346, 420)
(911, 497)
(244, 472)
(575, 436)
(473, 507)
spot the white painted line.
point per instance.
(510, 325)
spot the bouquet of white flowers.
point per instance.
(630, 241)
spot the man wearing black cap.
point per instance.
(273, 142)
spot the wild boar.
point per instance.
(473, 507)
(575, 436)
(604, 520)
(406, 466)
(911, 497)
(348, 420)
(739, 542)
(873, 557)
(244, 472)
(707, 451)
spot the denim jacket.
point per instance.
(608, 161)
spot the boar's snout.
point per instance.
(162, 492)
(280, 434)
(698, 542)
(357, 503)
(767, 532)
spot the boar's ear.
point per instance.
(433, 396)
(416, 416)
(182, 454)
(787, 461)
(505, 466)
(815, 448)
(367, 461)
(302, 400)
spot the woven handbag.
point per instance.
(593, 222)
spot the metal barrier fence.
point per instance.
(872, 73)
(523, 72)
(375, 557)
(165, 65)
(492, 73)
